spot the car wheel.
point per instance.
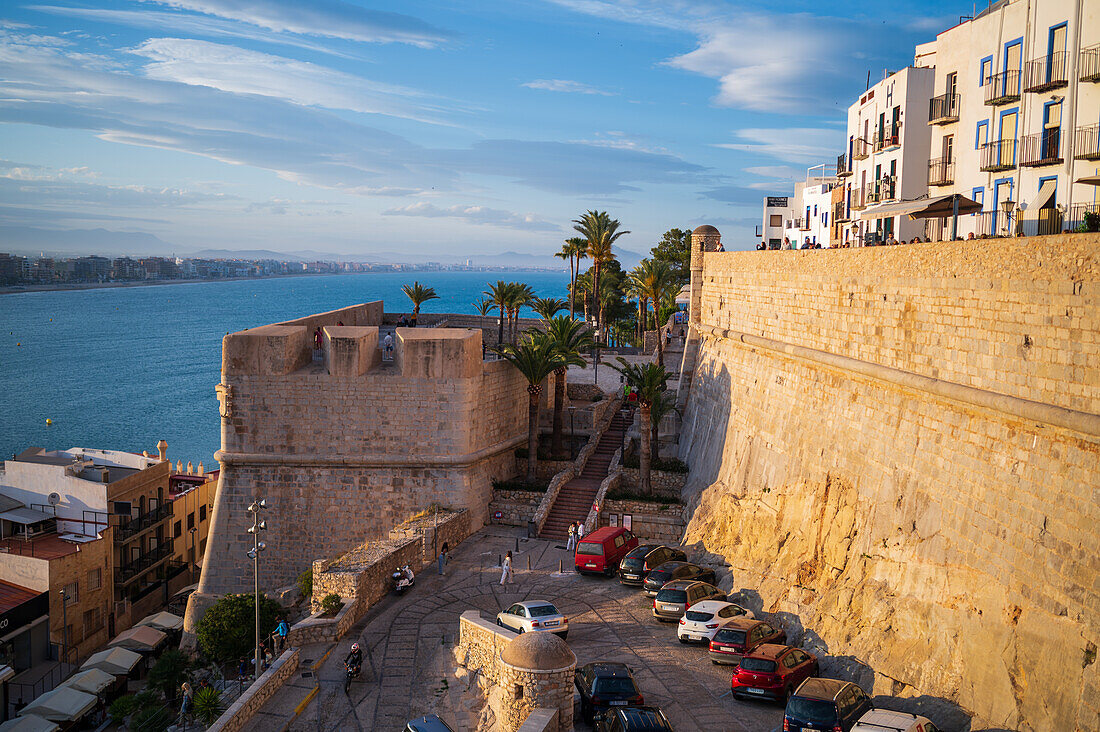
(681, 640)
(586, 711)
(787, 694)
(500, 623)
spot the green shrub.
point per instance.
(169, 672)
(331, 604)
(227, 630)
(207, 705)
(122, 708)
(1092, 221)
(305, 583)
(152, 718)
(624, 493)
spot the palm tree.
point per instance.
(582, 289)
(572, 338)
(519, 295)
(535, 356)
(634, 289)
(573, 250)
(663, 405)
(648, 380)
(498, 293)
(601, 232)
(484, 307)
(419, 295)
(547, 307)
(654, 280)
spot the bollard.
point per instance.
(528, 562)
(559, 566)
(500, 560)
(517, 545)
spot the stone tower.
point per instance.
(704, 239)
(536, 672)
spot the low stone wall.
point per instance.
(544, 469)
(516, 508)
(320, 629)
(583, 392)
(660, 522)
(479, 645)
(364, 572)
(663, 482)
(450, 528)
(255, 696)
(540, 720)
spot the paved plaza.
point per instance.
(408, 644)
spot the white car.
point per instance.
(703, 619)
(534, 615)
(883, 720)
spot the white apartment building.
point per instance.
(778, 211)
(887, 158)
(807, 216)
(1015, 115)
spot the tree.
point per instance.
(535, 356)
(662, 406)
(169, 672)
(484, 307)
(653, 279)
(547, 307)
(498, 293)
(648, 381)
(519, 295)
(227, 630)
(207, 705)
(572, 338)
(601, 232)
(574, 250)
(419, 295)
(674, 249)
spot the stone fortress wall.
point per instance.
(346, 447)
(897, 450)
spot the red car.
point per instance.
(601, 551)
(740, 636)
(773, 672)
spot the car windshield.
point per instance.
(590, 547)
(541, 611)
(698, 617)
(614, 686)
(672, 596)
(729, 635)
(633, 563)
(762, 665)
(811, 710)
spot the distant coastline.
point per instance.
(16, 289)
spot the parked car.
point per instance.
(740, 636)
(677, 596)
(826, 704)
(427, 723)
(605, 685)
(670, 571)
(633, 719)
(642, 560)
(772, 671)
(703, 619)
(884, 720)
(601, 551)
(534, 615)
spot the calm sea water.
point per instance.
(121, 368)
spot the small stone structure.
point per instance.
(664, 483)
(240, 712)
(536, 672)
(651, 521)
(516, 508)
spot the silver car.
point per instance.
(534, 615)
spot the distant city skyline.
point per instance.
(350, 129)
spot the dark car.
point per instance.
(633, 719)
(825, 704)
(677, 596)
(637, 565)
(772, 671)
(605, 685)
(740, 636)
(427, 723)
(669, 571)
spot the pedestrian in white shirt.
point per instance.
(580, 530)
(506, 569)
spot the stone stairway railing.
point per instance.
(614, 477)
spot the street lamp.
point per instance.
(64, 625)
(572, 433)
(596, 359)
(194, 563)
(1007, 205)
(254, 554)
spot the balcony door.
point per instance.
(948, 149)
(1012, 61)
(1007, 137)
(1052, 125)
(1002, 191)
(1056, 55)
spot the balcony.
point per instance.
(1002, 88)
(803, 224)
(1086, 145)
(943, 109)
(795, 223)
(1041, 148)
(887, 138)
(135, 567)
(1044, 74)
(843, 169)
(941, 172)
(133, 527)
(986, 222)
(860, 149)
(859, 199)
(840, 213)
(882, 190)
(998, 155)
(1090, 63)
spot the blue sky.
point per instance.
(447, 127)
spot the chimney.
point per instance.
(105, 475)
(190, 468)
(163, 447)
(202, 470)
(179, 466)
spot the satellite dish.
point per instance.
(53, 499)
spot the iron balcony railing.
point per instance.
(803, 224)
(843, 166)
(1002, 88)
(861, 150)
(998, 155)
(1041, 148)
(795, 223)
(941, 172)
(890, 136)
(1046, 73)
(1076, 217)
(1086, 145)
(882, 190)
(943, 109)
(1089, 61)
(859, 198)
(840, 212)
(133, 527)
(136, 566)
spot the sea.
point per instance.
(123, 367)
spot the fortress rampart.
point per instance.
(898, 449)
(346, 447)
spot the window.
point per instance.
(948, 148)
(95, 579)
(982, 135)
(93, 621)
(191, 520)
(775, 220)
(72, 593)
(986, 72)
(122, 508)
(824, 222)
(202, 512)
(952, 83)
(202, 548)
(815, 209)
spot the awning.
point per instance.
(684, 296)
(25, 516)
(139, 638)
(163, 621)
(117, 661)
(90, 681)
(938, 207)
(1046, 192)
(7, 503)
(29, 723)
(1090, 180)
(61, 705)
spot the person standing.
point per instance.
(442, 558)
(572, 543)
(188, 696)
(387, 347)
(580, 530)
(281, 631)
(506, 569)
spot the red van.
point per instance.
(601, 551)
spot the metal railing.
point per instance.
(1002, 88)
(861, 149)
(1075, 217)
(859, 198)
(1041, 148)
(840, 212)
(796, 223)
(134, 567)
(998, 155)
(1046, 73)
(126, 530)
(887, 137)
(1089, 63)
(843, 168)
(943, 109)
(882, 190)
(1086, 143)
(941, 172)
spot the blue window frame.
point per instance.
(978, 134)
(1050, 37)
(997, 198)
(1004, 58)
(1015, 130)
(985, 69)
(978, 194)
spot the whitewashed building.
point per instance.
(778, 212)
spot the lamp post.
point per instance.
(64, 625)
(254, 554)
(1007, 205)
(596, 359)
(572, 433)
(194, 563)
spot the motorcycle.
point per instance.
(350, 672)
(402, 580)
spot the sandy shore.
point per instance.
(16, 289)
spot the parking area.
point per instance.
(409, 667)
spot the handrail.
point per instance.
(125, 531)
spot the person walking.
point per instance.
(506, 569)
(281, 631)
(188, 696)
(387, 347)
(443, 558)
(572, 543)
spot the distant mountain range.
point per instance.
(32, 242)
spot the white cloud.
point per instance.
(565, 85)
(479, 215)
(809, 145)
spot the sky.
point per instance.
(449, 127)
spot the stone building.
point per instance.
(535, 672)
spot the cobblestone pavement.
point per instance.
(408, 642)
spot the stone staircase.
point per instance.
(575, 499)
